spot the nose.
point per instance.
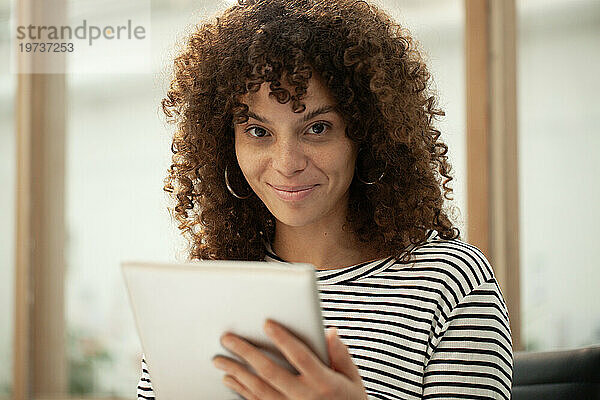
(288, 157)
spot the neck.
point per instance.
(322, 244)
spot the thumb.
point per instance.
(339, 357)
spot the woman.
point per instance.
(305, 134)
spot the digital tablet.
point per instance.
(182, 310)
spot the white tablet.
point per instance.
(182, 310)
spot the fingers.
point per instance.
(296, 352)
(272, 380)
(244, 382)
(232, 383)
(340, 358)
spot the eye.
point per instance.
(260, 132)
(321, 127)
(318, 129)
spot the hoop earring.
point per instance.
(365, 182)
(231, 190)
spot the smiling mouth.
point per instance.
(293, 193)
(292, 189)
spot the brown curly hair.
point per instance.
(374, 70)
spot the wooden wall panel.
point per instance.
(39, 366)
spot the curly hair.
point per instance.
(373, 69)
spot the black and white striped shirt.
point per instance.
(434, 327)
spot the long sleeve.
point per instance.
(144, 388)
(471, 355)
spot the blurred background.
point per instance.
(115, 148)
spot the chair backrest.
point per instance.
(570, 374)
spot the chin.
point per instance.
(293, 220)
(296, 218)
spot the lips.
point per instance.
(293, 188)
(293, 193)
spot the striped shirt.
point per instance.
(434, 327)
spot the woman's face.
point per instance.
(299, 164)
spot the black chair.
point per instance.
(554, 375)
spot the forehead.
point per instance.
(317, 94)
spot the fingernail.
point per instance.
(269, 327)
(226, 341)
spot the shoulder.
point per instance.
(456, 255)
(451, 267)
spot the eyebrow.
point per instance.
(307, 117)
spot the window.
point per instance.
(7, 198)
(558, 59)
(438, 27)
(117, 155)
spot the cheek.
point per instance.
(247, 160)
(342, 161)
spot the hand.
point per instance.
(273, 382)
